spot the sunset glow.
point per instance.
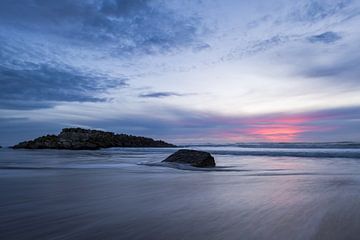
(182, 71)
(283, 129)
(278, 133)
(180, 119)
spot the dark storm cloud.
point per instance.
(326, 37)
(40, 86)
(130, 26)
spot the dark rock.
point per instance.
(81, 139)
(192, 157)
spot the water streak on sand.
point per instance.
(130, 194)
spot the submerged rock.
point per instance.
(81, 139)
(193, 157)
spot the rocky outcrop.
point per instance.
(192, 157)
(81, 139)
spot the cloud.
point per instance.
(124, 26)
(161, 94)
(25, 104)
(326, 37)
(15, 130)
(336, 66)
(322, 125)
(41, 86)
(64, 59)
(313, 11)
(347, 71)
(41, 65)
(185, 126)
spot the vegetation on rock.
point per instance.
(78, 139)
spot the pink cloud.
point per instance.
(280, 128)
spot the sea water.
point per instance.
(257, 191)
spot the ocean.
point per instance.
(257, 191)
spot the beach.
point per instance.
(115, 194)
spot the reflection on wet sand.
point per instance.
(109, 195)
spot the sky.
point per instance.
(185, 71)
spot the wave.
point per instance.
(65, 167)
(312, 154)
(191, 168)
(306, 145)
(244, 172)
(32, 168)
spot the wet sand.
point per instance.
(312, 200)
